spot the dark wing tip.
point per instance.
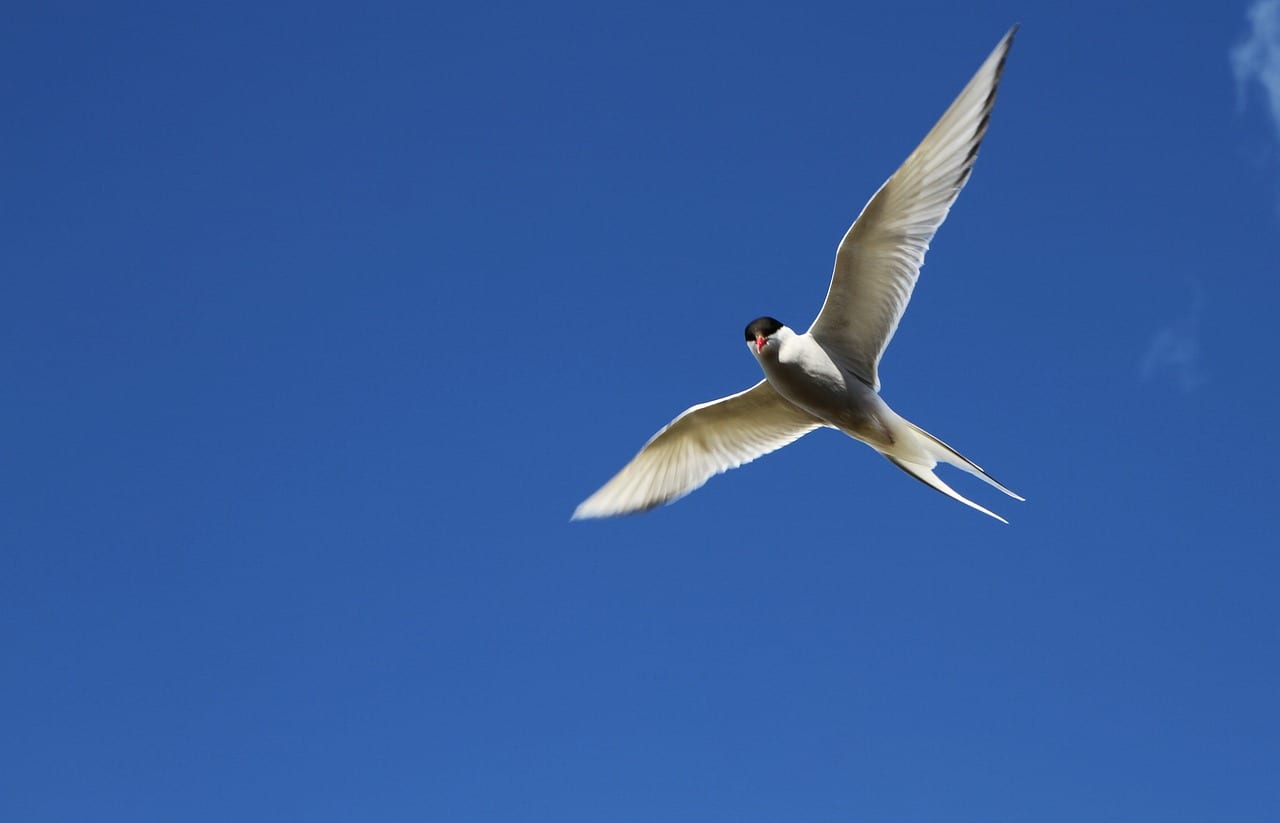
(987, 106)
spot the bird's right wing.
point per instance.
(879, 259)
(704, 441)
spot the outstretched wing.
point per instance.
(704, 441)
(879, 259)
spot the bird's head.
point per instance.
(764, 333)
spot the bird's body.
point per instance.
(805, 375)
(829, 375)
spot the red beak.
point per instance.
(759, 344)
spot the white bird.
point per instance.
(828, 375)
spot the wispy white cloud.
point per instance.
(1174, 352)
(1256, 60)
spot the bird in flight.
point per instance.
(828, 377)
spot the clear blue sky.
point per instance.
(320, 320)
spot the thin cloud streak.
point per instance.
(1175, 352)
(1257, 58)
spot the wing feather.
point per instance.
(704, 441)
(879, 259)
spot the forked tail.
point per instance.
(919, 458)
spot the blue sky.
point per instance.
(319, 321)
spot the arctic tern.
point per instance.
(827, 377)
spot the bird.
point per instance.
(829, 375)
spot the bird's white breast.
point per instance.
(806, 375)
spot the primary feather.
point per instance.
(879, 259)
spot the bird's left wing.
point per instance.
(879, 259)
(704, 441)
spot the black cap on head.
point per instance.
(762, 327)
